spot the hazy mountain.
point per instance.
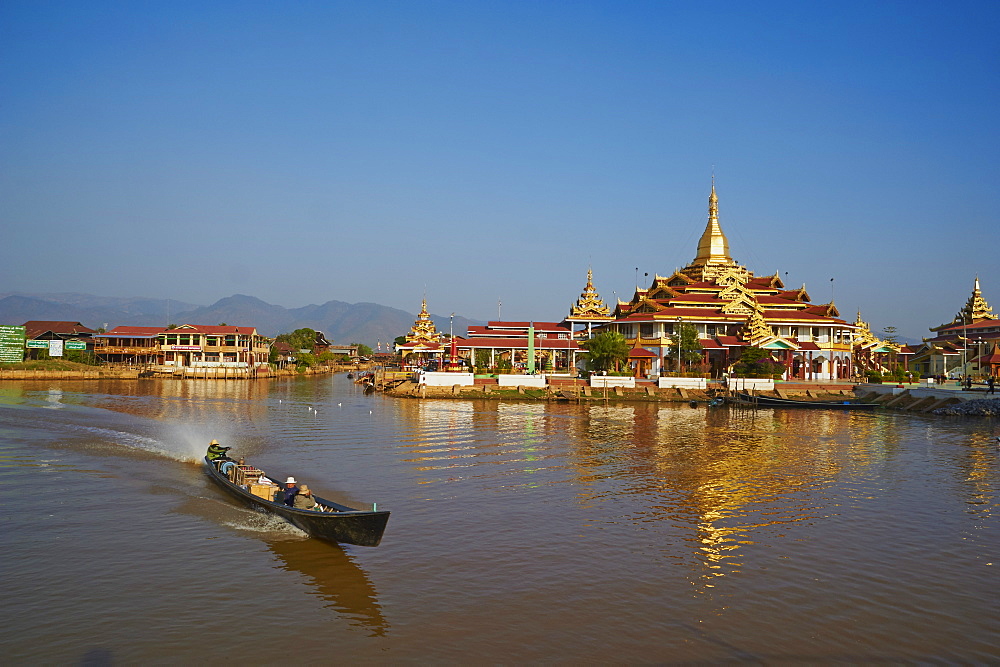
(93, 311)
(342, 322)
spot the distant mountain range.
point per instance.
(341, 322)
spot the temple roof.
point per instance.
(975, 310)
(589, 306)
(423, 329)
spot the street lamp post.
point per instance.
(679, 320)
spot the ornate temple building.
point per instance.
(731, 308)
(423, 343)
(968, 345)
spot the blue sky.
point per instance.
(483, 151)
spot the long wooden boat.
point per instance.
(743, 398)
(334, 522)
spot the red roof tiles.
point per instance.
(35, 328)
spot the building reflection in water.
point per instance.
(723, 479)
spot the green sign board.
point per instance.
(76, 345)
(11, 344)
(37, 343)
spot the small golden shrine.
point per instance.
(423, 329)
(589, 307)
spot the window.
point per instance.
(646, 330)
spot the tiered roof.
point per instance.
(589, 307)
(423, 330)
(974, 312)
(423, 335)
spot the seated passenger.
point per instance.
(264, 480)
(290, 491)
(303, 500)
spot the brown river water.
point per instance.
(520, 532)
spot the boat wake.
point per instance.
(261, 523)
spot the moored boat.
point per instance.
(329, 521)
(743, 398)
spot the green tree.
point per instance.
(607, 350)
(482, 359)
(363, 350)
(756, 362)
(300, 339)
(686, 337)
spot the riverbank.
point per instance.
(72, 371)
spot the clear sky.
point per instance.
(483, 151)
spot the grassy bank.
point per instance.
(49, 365)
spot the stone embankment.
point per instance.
(930, 399)
(981, 407)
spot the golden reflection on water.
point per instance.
(723, 479)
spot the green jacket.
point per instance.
(216, 451)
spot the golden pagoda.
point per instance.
(589, 307)
(423, 342)
(423, 330)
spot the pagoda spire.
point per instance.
(713, 248)
(976, 307)
(974, 310)
(589, 306)
(423, 329)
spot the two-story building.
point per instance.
(194, 345)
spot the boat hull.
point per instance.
(772, 402)
(346, 525)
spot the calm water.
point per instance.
(520, 532)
